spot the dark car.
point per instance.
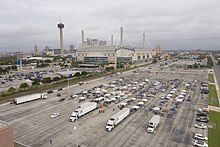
(58, 94)
(51, 91)
(202, 119)
(199, 113)
(62, 99)
(189, 98)
(60, 89)
(204, 91)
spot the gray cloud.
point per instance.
(182, 24)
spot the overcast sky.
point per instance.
(175, 24)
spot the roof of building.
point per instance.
(110, 48)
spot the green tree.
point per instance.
(77, 74)
(195, 66)
(56, 78)
(24, 86)
(36, 82)
(11, 89)
(84, 73)
(46, 80)
(154, 60)
(109, 68)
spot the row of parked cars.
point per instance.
(202, 120)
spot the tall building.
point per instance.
(61, 26)
(36, 52)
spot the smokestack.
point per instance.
(82, 39)
(143, 40)
(121, 38)
(112, 40)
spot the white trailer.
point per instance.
(117, 118)
(153, 123)
(28, 98)
(82, 110)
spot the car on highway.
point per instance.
(200, 143)
(50, 91)
(200, 126)
(54, 115)
(200, 137)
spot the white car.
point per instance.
(162, 97)
(200, 137)
(200, 143)
(200, 126)
(54, 115)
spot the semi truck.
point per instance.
(82, 110)
(153, 123)
(29, 98)
(117, 118)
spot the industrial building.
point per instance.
(115, 53)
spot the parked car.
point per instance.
(199, 143)
(60, 89)
(200, 126)
(50, 91)
(200, 137)
(62, 99)
(202, 119)
(54, 115)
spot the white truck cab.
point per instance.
(110, 125)
(150, 129)
(73, 116)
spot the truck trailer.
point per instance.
(153, 123)
(117, 118)
(82, 110)
(29, 98)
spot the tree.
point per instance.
(46, 80)
(56, 78)
(11, 89)
(109, 68)
(154, 60)
(77, 74)
(36, 82)
(195, 65)
(24, 86)
(84, 73)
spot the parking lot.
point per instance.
(33, 125)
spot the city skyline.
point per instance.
(174, 24)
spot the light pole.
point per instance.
(68, 83)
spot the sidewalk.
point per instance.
(214, 108)
(217, 88)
